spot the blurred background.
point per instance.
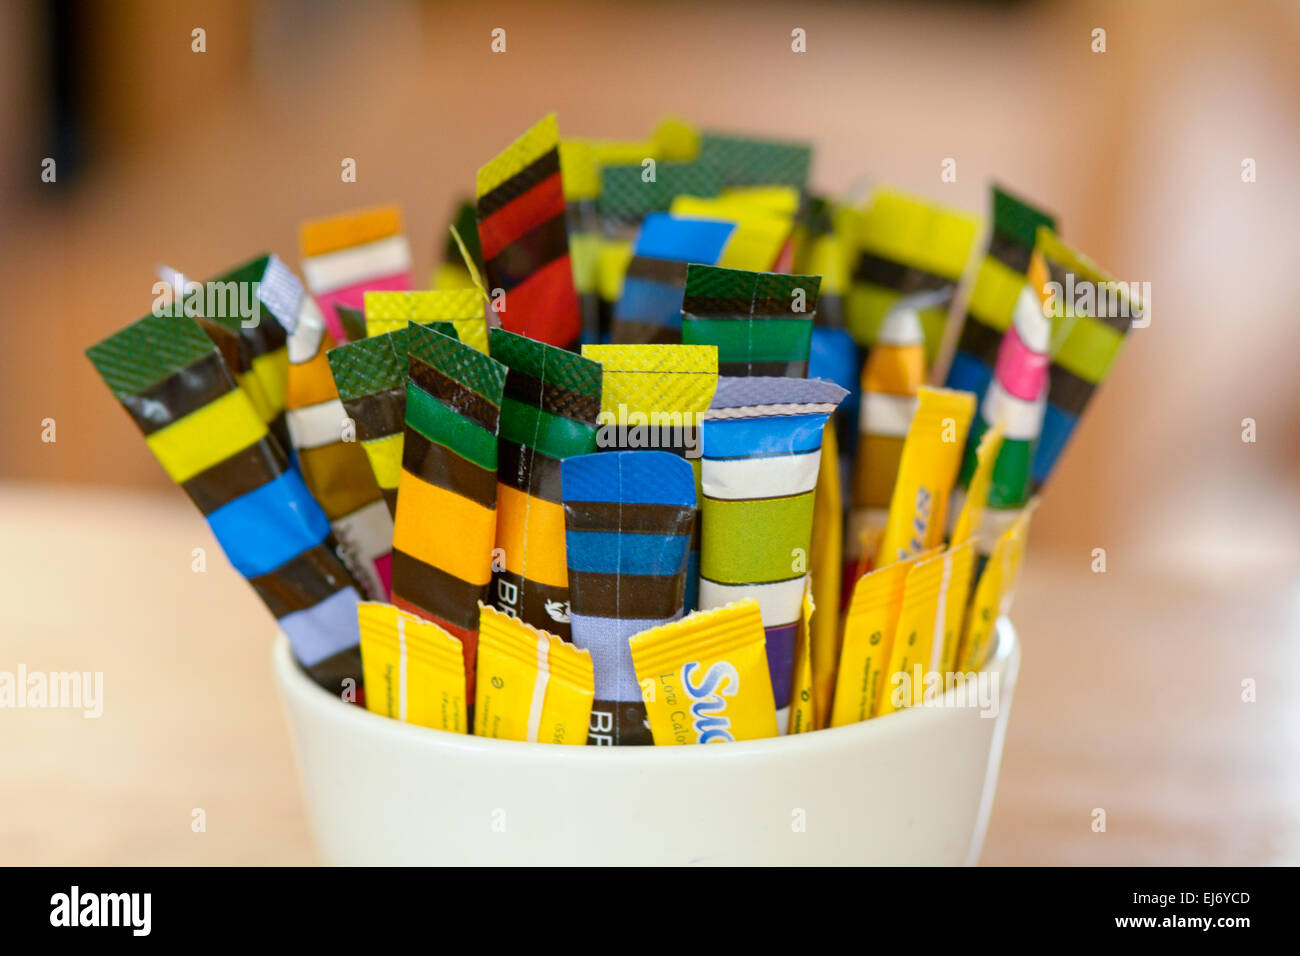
(1131, 689)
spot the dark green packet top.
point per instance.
(626, 194)
(761, 322)
(370, 375)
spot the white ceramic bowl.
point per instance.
(913, 787)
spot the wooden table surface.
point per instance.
(1130, 700)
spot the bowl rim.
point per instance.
(296, 688)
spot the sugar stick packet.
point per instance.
(523, 233)
(319, 431)
(743, 231)
(238, 360)
(415, 670)
(822, 249)
(934, 597)
(234, 353)
(210, 440)
(737, 232)
(447, 493)
(825, 563)
(617, 228)
(950, 617)
(704, 678)
(628, 520)
(649, 307)
(906, 245)
(649, 304)
(549, 412)
(619, 214)
(1091, 317)
(869, 630)
(252, 303)
(580, 180)
(893, 372)
(655, 396)
(532, 685)
(761, 322)
(461, 308)
(762, 449)
(803, 705)
(344, 256)
(1016, 400)
(973, 500)
(994, 289)
(783, 201)
(927, 472)
(370, 376)
(764, 226)
(335, 468)
(1011, 573)
(993, 594)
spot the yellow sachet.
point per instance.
(1016, 558)
(951, 613)
(977, 494)
(868, 639)
(928, 469)
(413, 669)
(705, 677)
(531, 685)
(993, 594)
(982, 616)
(803, 695)
(914, 636)
(825, 560)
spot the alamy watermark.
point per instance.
(672, 430)
(232, 300)
(53, 690)
(1083, 297)
(75, 908)
(968, 689)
